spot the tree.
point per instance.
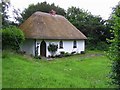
(114, 50)
(6, 16)
(92, 26)
(4, 13)
(44, 7)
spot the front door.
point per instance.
(43, 49)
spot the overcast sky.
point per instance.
(96, 7)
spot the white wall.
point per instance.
(67, 46)
(28, 46)
(47, 44)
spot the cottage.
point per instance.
(41, 29)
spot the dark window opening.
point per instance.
(61, 44)
(74, 44)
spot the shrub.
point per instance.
(37, 57)
(62, 52)
(52, 48)
(67, 54)
(82, 52)
(103, 46)
(5, 54)
(114, 50)
(12, 38)
(22, 52)
(58, 56)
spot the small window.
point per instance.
(61, 44)
(74, 44)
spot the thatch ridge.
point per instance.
(46, 26)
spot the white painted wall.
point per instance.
(67, 46)
(28, 46)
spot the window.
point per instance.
(61, 44)
(74, 44)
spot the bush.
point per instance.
(58, 56)
(37, 57)
(114, 50)
(82, 52)
(5, 54)
(22, 52)
(67, 54)
(62, 52)
(103, 46)
(12, 38)
(52, 48)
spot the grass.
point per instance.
(79, 71)
(0, 70)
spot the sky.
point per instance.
(96, 7)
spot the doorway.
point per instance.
(43, 49)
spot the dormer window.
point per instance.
(61, 44)
(74, 44)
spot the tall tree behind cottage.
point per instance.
(4, 12)
(43, 7)
(94, 27)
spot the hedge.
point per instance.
(12, 38)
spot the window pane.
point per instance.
(74, 44)
(61, 44)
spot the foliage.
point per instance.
(82, 52)
(62, 52)
(44, 7)
(103, 46)
(81, 71)
(52, 48)
(94, 27)
(114, 50)
(66, 54)
(12, 38)
(85, 21)
(37, 57)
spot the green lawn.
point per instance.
(78, 71)
(0, 70)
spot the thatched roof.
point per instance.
(46, 26)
